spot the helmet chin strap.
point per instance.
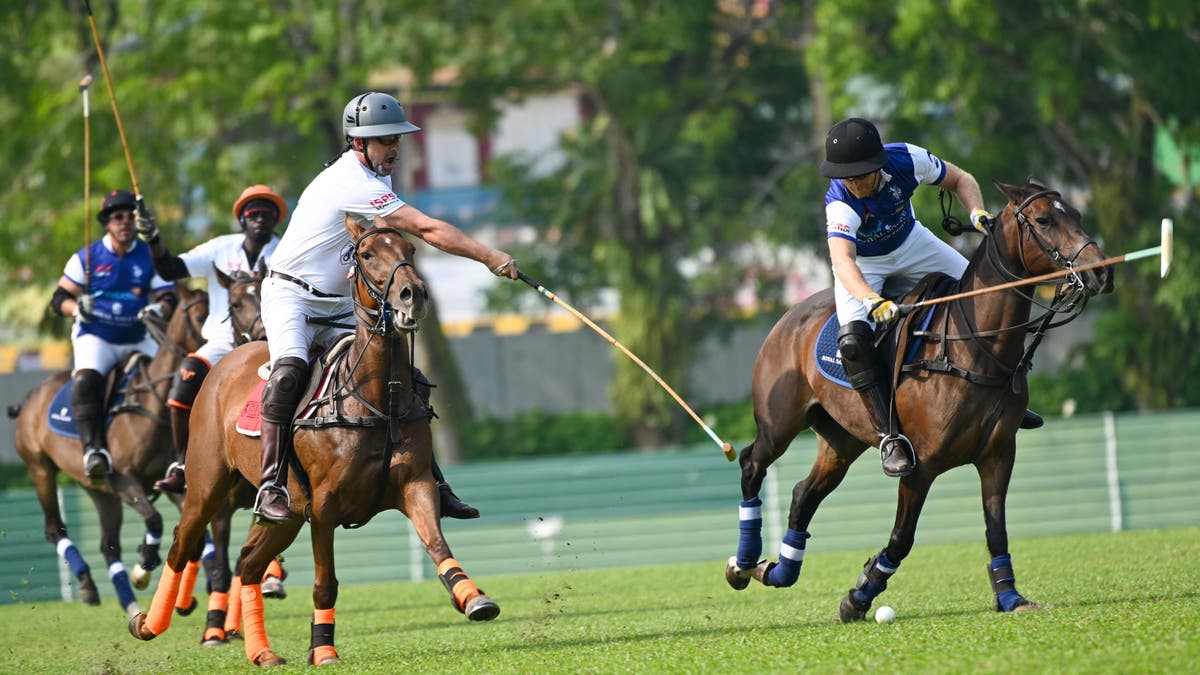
(367, 158)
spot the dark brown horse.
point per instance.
(140, 442)
(960, 400)
(376, 456)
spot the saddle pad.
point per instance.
(61, 418)
(249, 422)
(829, 361)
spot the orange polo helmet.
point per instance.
(260, 192)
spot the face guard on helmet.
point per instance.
(116, 200)
(853, 148)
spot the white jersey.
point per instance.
(226, 254)
(316, 246)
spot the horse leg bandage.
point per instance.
(120, 581)
(874, 578)
(252, 619)
(68, 552)
(274, 569)
(233, 615)
(1004, 583)
(214, 625)
(321, 649)
(158, 620)
(457, 582)
(187, 584)
(750, 533)
(791, 557)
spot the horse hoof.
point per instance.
(737, 578)
(481, 608)
(763, 570)
(269, 658)
(137, 627)
(140, 578)
(213, 642)
(850, 611)
(272, 587)
(88, 594)
(324, 655)
(184, 611)
(213, 636)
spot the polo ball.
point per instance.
(885, 614)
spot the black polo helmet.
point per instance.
(116, 201)
(852, 148)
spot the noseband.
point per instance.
(1062, 261)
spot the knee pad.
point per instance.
(187, 382)
(284, 389)
(856, 341)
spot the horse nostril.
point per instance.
(406, 295)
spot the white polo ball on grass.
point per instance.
(885, 614)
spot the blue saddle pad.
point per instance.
(829, 361)
(61, 417)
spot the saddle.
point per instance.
(61, 418)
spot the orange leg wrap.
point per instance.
(457, 582)
(233, 616)
(158, 620)
(217, 602)
(252, 619)
(187, 584)
(322, 653)
(274, 569)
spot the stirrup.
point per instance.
(92, 452)
(905, 446)
(258, 502)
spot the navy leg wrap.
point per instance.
(874, 578)
(750, 537)
(68, 552)
(1004, 583)
(791, 557)
(120, 581)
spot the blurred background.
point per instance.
(654, 163)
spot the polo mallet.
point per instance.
(726, 448)
(87, 185)
(1163, 250)
(112, 96)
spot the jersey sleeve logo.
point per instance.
(384, 200)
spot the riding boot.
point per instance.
(865, 369)
(1032, 420)
(279, 400)
(174, 481)
(87, 405)
(452, 506)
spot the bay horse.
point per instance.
(139, 440)
(960, 398)
(372, 452)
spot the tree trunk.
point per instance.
(450, 400)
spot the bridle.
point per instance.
(157, 327)
(379, 320)
(254, 330)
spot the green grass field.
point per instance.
(1123, 603)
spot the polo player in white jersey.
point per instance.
(309, 274)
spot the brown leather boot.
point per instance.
(174, 482)
(274, 504)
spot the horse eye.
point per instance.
(366, 255)
(236, 305)
(1043, 221)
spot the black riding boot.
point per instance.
(865, 369)
(452, 506)
(174, 481)
(1032, 420)
(279, 400)
(87, 404)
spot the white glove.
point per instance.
(147, 229)
(154, 309)
(981, 220)
(85, 306)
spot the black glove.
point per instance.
(147, 229)
(85, 306)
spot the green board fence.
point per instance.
(1087, 474)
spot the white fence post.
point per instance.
(64, 570)
(1114, 480)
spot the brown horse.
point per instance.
(140, 441)
(372, 452)
(960, 402)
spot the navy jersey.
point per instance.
(122, 286)
(878, 225)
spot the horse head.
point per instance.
(245, 303)
(386, 286)
(1039, 230)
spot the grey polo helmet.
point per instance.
(375, 114)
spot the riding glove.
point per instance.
(981, 220)
(85, 306)
(880, 309)
(147, 229)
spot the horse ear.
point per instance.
(224, 279)
(260, 270)
(353, 227)
(1011, 191)
(1033, 181)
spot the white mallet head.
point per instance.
(1168, 240)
